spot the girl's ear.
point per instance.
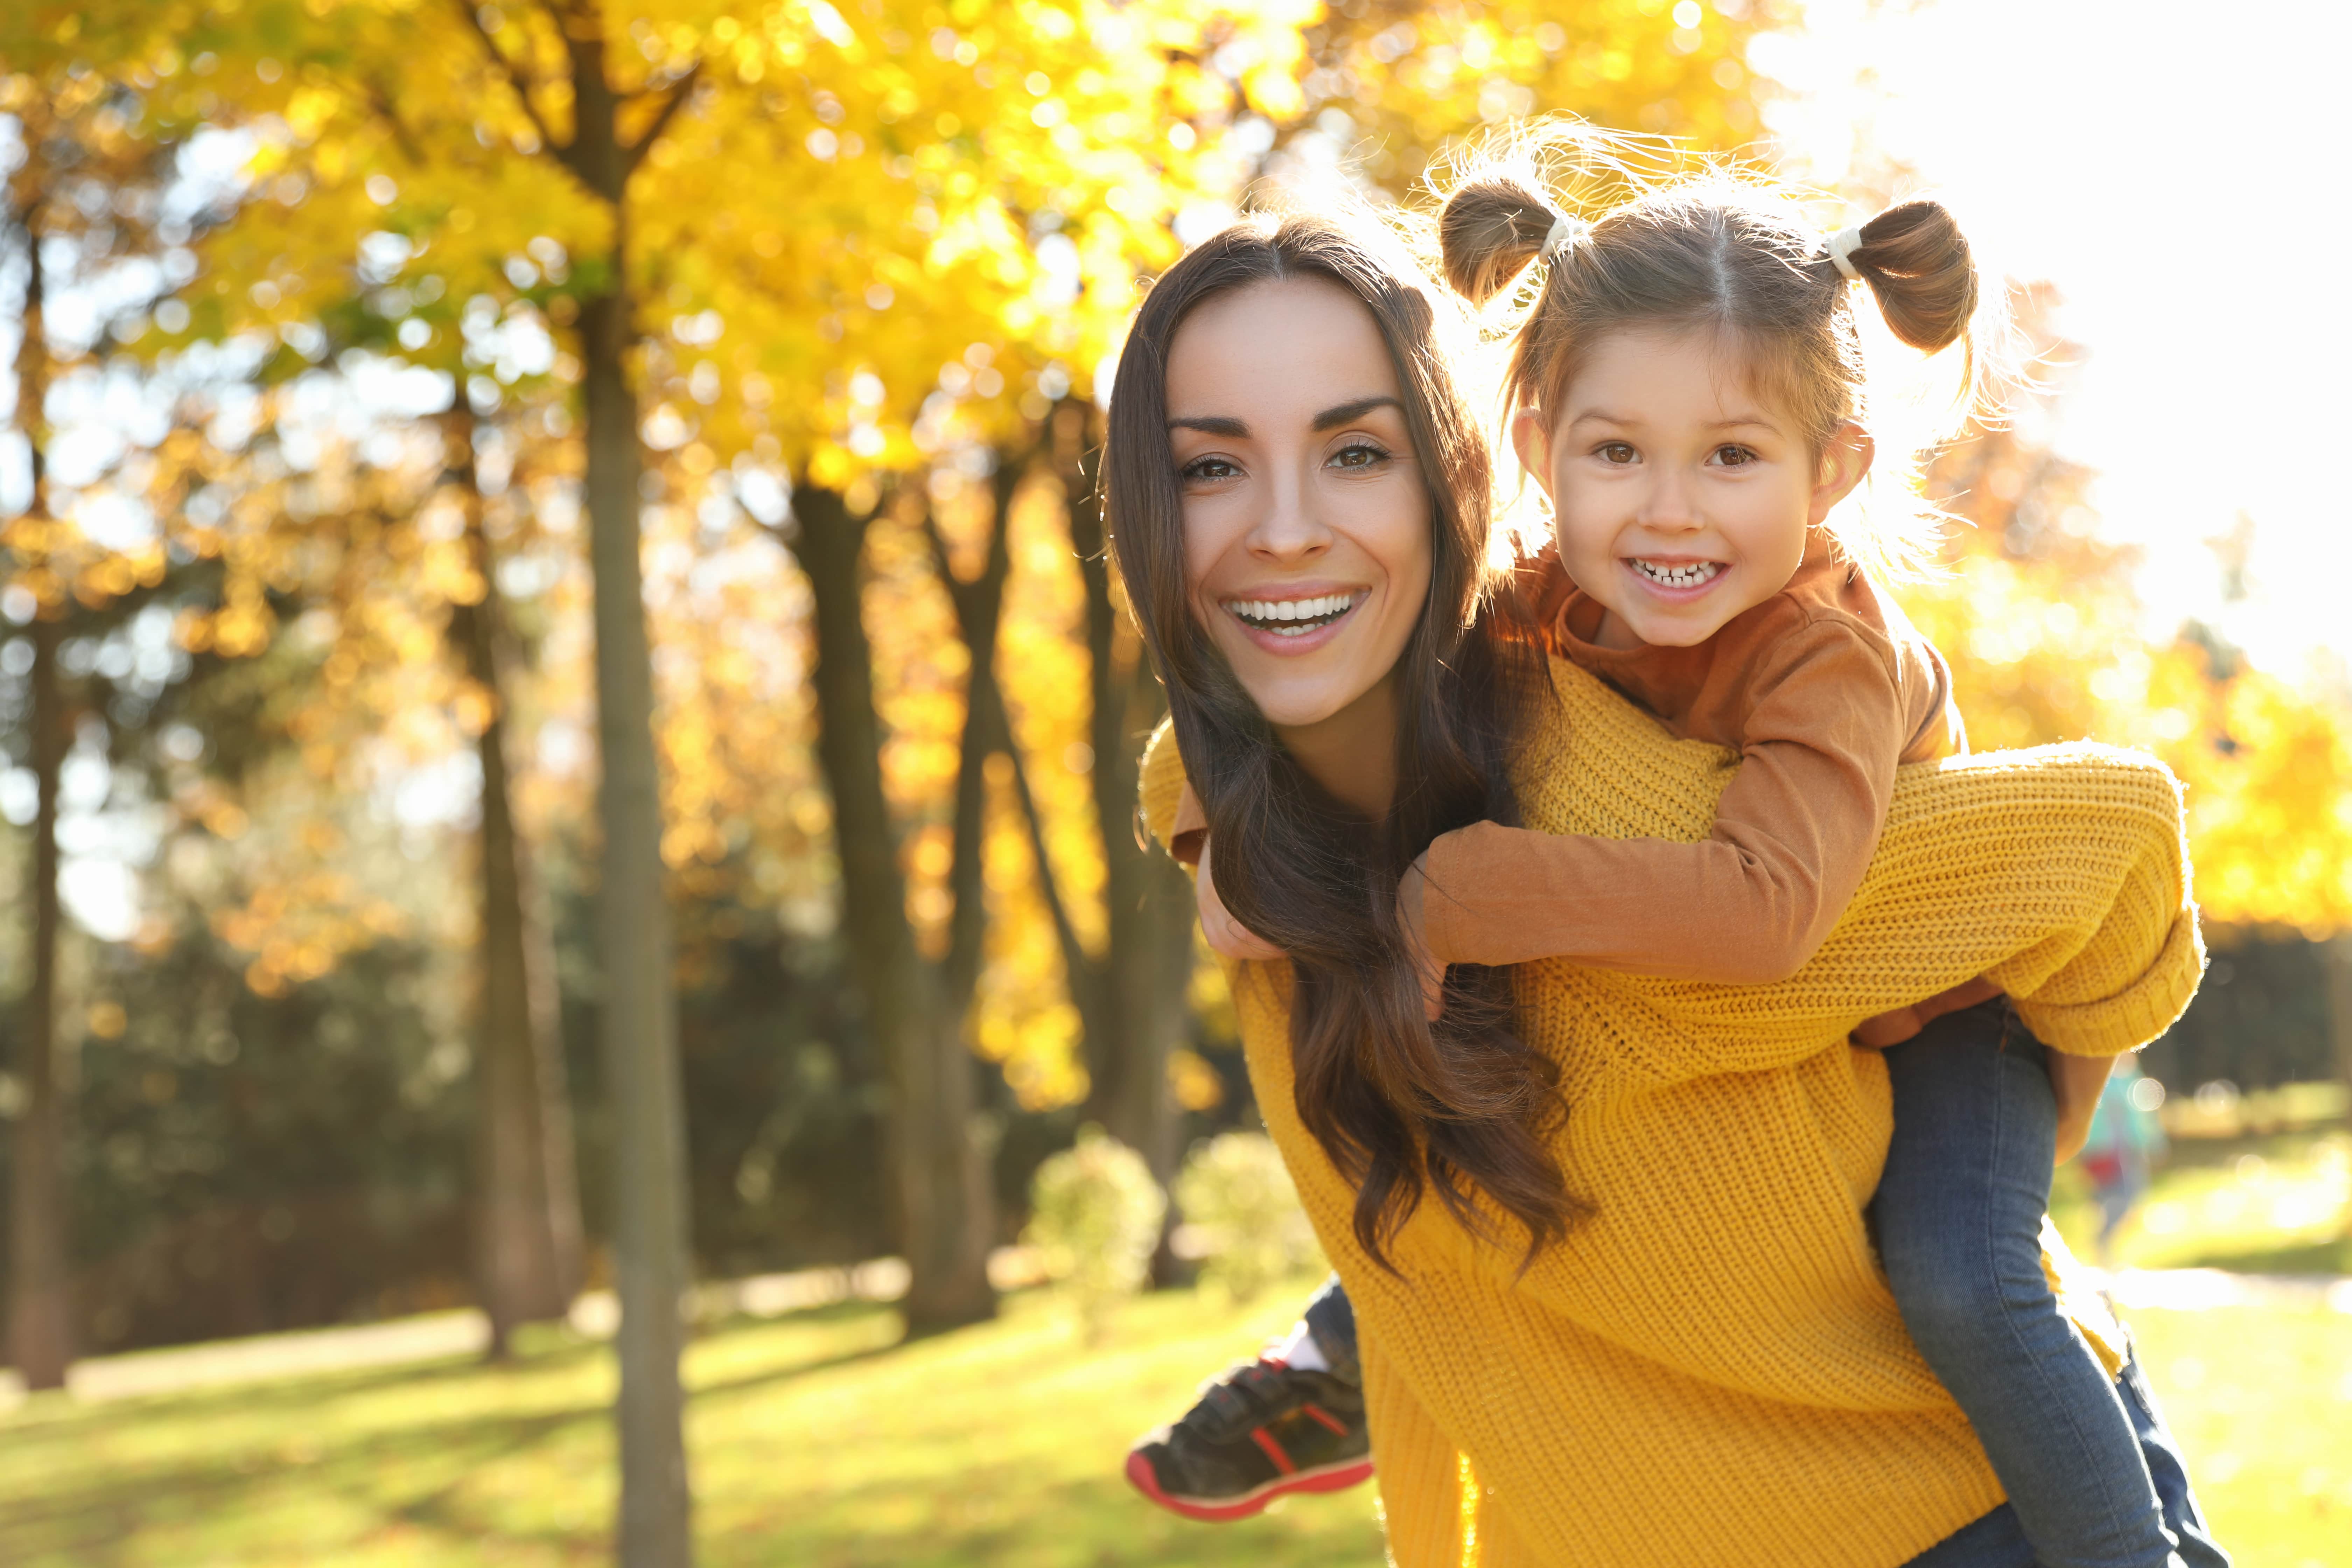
(1843, 466)
(1532, 439)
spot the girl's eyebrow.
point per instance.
(1737, 422)
(1212, 424)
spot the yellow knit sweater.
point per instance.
(1710, 1370)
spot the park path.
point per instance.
(437, 1336)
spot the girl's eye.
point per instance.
(1616, 452)
(1734, 457)
(1208, 468)
(1359, 455)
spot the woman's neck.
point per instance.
(1352, 754)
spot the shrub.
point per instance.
(1094, 1213)
(1243, 1215)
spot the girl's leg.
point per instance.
(1330, 1317)
(2166, 1467)
(1998, 1540)
(1958, 1218)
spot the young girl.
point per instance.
(1687, 388)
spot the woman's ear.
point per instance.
(1843, 466)
(1532, 439)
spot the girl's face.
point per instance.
(1306, 514)
(1679, 497)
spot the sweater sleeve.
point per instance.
(2059, 874)
(1750, 903)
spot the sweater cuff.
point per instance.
(2132, 1016)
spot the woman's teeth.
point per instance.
(1291, 617)
(1685, 576)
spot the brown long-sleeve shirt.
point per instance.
(1824, 690)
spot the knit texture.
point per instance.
(1710, 1371)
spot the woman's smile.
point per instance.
(1290, 620)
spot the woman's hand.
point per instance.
(2076, 1081)
(1412, 897)
(1894, 1029)
(1227, 936)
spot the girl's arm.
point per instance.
(1750, 903)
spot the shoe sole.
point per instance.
(1326, 1478)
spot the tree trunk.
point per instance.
(638, 1011)
(1148, 963)
(940, 1180)
(40, 1282)
(2336, 957)
(527, 1226)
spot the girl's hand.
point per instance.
(1227, 936)
(1411, 896)
(1894, 1029)
(2076, 1081)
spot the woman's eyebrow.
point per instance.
(1212, 424)
(1349, 413)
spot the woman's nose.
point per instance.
(1290, 526)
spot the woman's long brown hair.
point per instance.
(1398, 1103)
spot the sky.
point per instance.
(2176, 171)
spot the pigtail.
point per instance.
(1918, 265)
(1491, 228)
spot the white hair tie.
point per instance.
(1565, 231)
(1843, 245)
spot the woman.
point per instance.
(1652, 1329)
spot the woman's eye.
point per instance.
(1618, 452)
(1205, 468)
(1359, 455)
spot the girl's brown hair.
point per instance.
(1728, 255)
(1397, 1103)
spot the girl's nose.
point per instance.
(1666, 506)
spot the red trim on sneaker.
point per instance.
(1328, 1478)
(1281, 1461)
(1329, 1421)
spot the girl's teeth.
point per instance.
(1689, 576)
(1284, 617)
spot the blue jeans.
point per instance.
(1998, 1540)
(2094, 1477)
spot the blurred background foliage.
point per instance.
(297, 675)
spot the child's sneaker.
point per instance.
(1258, 1432)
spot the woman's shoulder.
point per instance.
(1592, 760)
(1161, 784)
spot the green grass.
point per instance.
(818, 1441)
(821, 1442)
(2263, 1203)
(2261, 1401)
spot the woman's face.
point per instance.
(1306, 512)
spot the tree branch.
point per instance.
(1078, 965)
(635, 153)
(381, 101)
(513, 73)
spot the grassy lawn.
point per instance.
(821, 1443)
(2279, 1203)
